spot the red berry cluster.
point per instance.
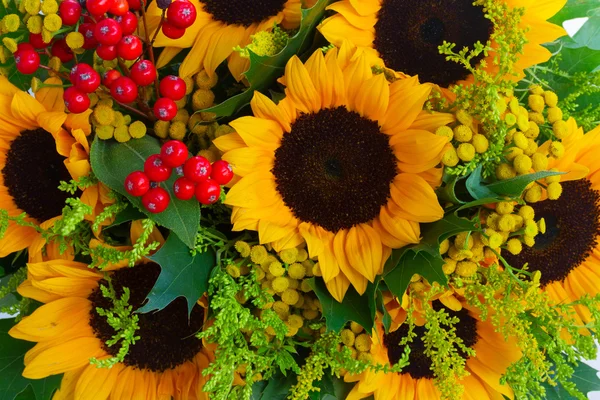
(180, 16)
(197, 177)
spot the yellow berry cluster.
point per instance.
(39, 17)
(109, 123)
(285, 277)
(465, 139)
(358, 341)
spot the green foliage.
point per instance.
(9, 303)
(113, 161)
(589, 34)
(584, 377)
(182, 275)
(575, 9)
(276, 388)
(264, 70)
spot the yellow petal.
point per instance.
(426, 390)
(366, 7)
(255, 190)
(404, 107)
(431, 120)
(340, 247)
(97, 383)
(194, 61)
(51, 97)
(338, 287)
(366, 22)
(373, 98)
(415, 198)
(263, 107)
(125, 386)
(328, 262)
(406, 231)
(357, 72)
(300, 87)
(336, 30)
(229, 142)
(263, 133)
(221, 45)
(67, 287)
(26, 108)
(364, 250)
(417, 151)
(16, 238)
(337, 97)
(318, 72)
(67, 385)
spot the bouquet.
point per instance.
(299, 199)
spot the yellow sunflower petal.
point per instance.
(246, 160)
(338, 287)
(364, 250)
(336, 76)
(256, 190)
(166, 386)
(355, 73)
(221, 46)
(269, 231)
(66, 287)
(97, 383)
(402, 229)
(365, 7)
(317, 70)
(313, 239)
(194, 60)
(291, 240)
(365, 22)
(67, 385)
(16, 238)
(168, 53)
(26, 289)
(431, 120)
(263, 133)
(417, 151)
(340, 248)
(336, 30)
(26, 108)
(300, 87)
(229, 142)
(415, 198)
(264, 108)
(51, 97)
(373, 98)
(474, 389)
(489, 376)
(406, 104)
(125, 387)
(426, 390)
(328, 262)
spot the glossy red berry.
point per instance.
(35, 39)
(197, 169)
(28, 61)
(108, 32)
(110, 77)
(184, 189)
(128, 22)
(165, 109)
(222, 173)
(70, 12)
(143, 72)
(181, 14)
(87, 80)
(98, 7)
(156, 169)
(76, 100)
(137, 183)
(119, 7)
(130, 47)
(134, 4)
(76, 70)
(124, 90)
(174, 153)
(173, 87)
(156, 200)
(107, 53)
(171, 31)
(61, 50)
(87, 29)
(208, 192)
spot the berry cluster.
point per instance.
(197, 177)
(180, 16)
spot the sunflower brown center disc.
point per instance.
(167, 336)
(33, 172)
(334, 169)
(242, 12)
(572, 231)
(408, 33)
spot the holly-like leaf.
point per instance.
(585, 378)
(276, 388)
(181, 275)
(331, 388)
(113, 161)
(589, 34)
(264, 70)
(354, 307)
(514, 187)
(130, 213)
(12, 383)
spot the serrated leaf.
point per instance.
(514, 187)
(113, 161)
(354, 307)
(584, 376)
(264, 70)
(589, 34)
(181, 275)
(12, 383)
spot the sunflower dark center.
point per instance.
(572, 232)
(167, 336)
(408, 33)
(243, 12)
(33, 172)
(334, 169)
(420, 363)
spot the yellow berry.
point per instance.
(450, 158)
(347, 337)
(444, 246)
(121, 134)
(494, 239)
(506, 223)
(105, 132)
(449, 266)
(554, 114)
(560, 129)
(539, 162)
(290, 296)
(536, 89)
(258, 254)
(534, 194)
(243, 248)
(280, 284)
(363, 342)
(550, 98)
(356, 328)
(529, 240)
(557, 149)
(505, 207)
(466, 152)
(317, 270)
(531, 228)
(527, 212)
(538, 118)
(288, 256)
(445, 131)
(202, 98)
(505, 171)
(554, 190)
(466, 268)
(481, 143)
(296, 321)
(161, 129)
(177, 130)
(513, 152)
(542, 226)
(520, 140)
(276, 268)
(296, 271)
(182, 115)
(203, 81)
(522, 164)
(463, 133)
(536, 102)
(233, 271)
(510, 119)
(533, 131)
(514, 246)
(52, 22)
(464, 240)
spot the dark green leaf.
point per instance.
(264, 70)
(331, 388)
(589, 34)
(112, 162)
(447, 192)
(12, 383)
(181, 275)
(476, 187)
(276, 388)
(354, 307)
(128, 214)
(586, 379)
(514, 187)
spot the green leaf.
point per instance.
(264, 70)
(113, 161)
(573, 9)
(276, 388)
(476, 187)
(128, 214)
(354, 307)
(585, 377)
(514, 187)
(331, 388)
(12, 383)
(589, 34)
(181, 275)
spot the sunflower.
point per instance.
(405, 35)
(346, 162)
(568, 253)
(220, 27)
(493, 354)
(166, 362)
(36, 153)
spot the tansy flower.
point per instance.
(405, 35)
(493, 354)
(221, 26)
(165, 362)
(346, 162)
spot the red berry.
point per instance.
(61, 50)
(119, 7)
(165, 109)
(98, 7)
(78, 69)
(171, 31)
(174, 153)
(208, 192)
(184, 188)
(156, 169)
(69, 11)
(134, 4)
(75, 100)
(107, 53)
(124, 90)
(222, 173)
(130, 47)
(143, 72)
(35, 39)
(173, 87)
(86, 79)
(181, 14)
(156, 200)
(128, 22)
(137, 183)
(87, 29)
(197, 169)
(108, 32)
(109, 77)
(28, 61)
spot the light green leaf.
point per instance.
(586, 379)
(589, 34)
(514, 187)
